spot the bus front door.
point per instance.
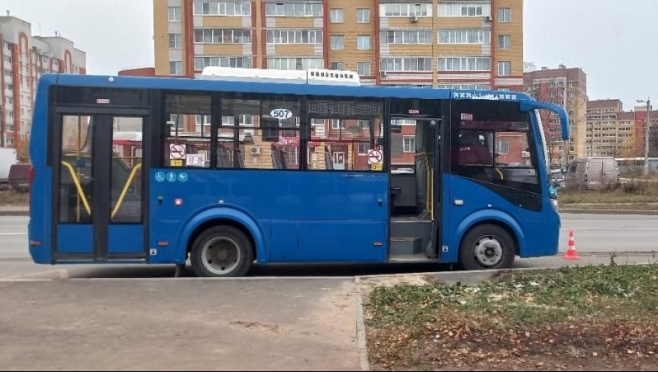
(99, 207)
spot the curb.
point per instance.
(14, 213)
(361, 328)
(610, 211)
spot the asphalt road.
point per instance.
(633, 238)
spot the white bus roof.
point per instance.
(311, 76)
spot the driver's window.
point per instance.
(493, 142)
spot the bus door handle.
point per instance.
(380, 202)
(160, 200)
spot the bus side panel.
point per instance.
(39, 226)
(539, 230)
(40, 208)
(343, 241)
(343, 210)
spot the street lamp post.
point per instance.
(2, 125)
(646, 135)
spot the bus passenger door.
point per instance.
(100, 207)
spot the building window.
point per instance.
(465, 86)
(464, 36)
(222, 8)
(464, 10)
(294, 37)
(504, 68)
(407, 64)
(337, 42)
(502, 147)
(363, 68)
(335, 124)
(504, 15)
(464, 63)
(176, 68)
(222, 36)
(174, 14)
(338, 65)
(294, 63)
(406, 37)
(363, 15)
(405, 10)
(504, 41)
(363, 42)
(293, 9)
(363, 149)
(408, 144)
(175, 41)
(337, 16)
(236, 62)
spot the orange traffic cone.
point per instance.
(571, 251)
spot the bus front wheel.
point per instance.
(221, 251)
(487, 247)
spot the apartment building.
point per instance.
(427, 43)
(611, 131)
(566, 87)
(23, 59)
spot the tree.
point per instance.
(22, 149)
(529, 67)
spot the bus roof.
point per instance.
(219, 84)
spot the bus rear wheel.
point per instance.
(221, 251)
(487, 247)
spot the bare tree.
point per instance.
(529, 67)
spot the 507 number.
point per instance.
(281, 114)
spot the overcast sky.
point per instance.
(615, 44)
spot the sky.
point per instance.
(615, 45)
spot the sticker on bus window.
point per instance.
(176, 163)
(195, 160)
(176, 151)
(376, 167)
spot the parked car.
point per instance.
(592, 173)
(19, 175)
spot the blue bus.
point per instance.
(232, 169)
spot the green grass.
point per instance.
(606, 311)
(633, 194)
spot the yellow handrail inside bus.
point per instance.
(78, 187)
(125, 189)
(431, 176)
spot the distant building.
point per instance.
(566, 87)
(611, 131)
(142, 71)
(23, 59)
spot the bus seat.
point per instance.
(471, 152)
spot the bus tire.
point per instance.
(487, 247)
(221, 251)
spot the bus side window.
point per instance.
(187, 131)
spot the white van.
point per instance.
(592, 173)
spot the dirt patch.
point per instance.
(13, 198)
(574, 319)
